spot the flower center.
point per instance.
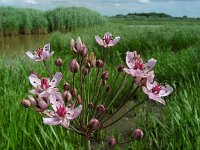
(61, 111)
(45, 83)
(156, 89)
(138, 65)
(39, 52)
(107, 39)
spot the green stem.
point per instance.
(87, 145)
(45, 64)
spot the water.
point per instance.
(14, 45)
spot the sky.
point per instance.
(177, 8)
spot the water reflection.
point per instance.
(13, 45)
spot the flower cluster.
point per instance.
(89, 98)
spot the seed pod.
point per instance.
(79, 100)
(137, 134)
(84, 52)
(58, 62)
(73, 92)
(26, 103)
(42, 104)
(74, 66)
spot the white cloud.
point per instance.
(143, 1)
(30, 2)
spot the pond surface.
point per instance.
(13, 45)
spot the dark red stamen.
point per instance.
(61, 111)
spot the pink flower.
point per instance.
(45, 88)
(40, 54)
(107, 40)
(61, 114)
(77, 47)
(136, 66)
(155, 91)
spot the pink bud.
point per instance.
(91, 105)
(73, 92)
(42, 104)
(104, 82)
(79, 100)
(74, 66)
(84, 52)
(101, 109)
(111, 142)
(26, 103)
(137, 134)
(66, 86)
(67, 96)
(85, 71)
(58, 62)
(94, 124)
(105, 75)
(99, 63)
(120, 68)
(107, 88)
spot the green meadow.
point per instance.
(174, 43)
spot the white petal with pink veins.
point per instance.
(150, 64)
(115, 41)
(30, 55)
(55, 103)
(145, 90)
(165, 90)
(160, 100)
(73, 113)
(129, 59)
(56, 79)
(79, 45)
(65, 123)
(99, 41)
(52, 121)
(34, 80)
(127, 70)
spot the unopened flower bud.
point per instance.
(26, 103)
(32, 100)
(107, 88)
(84, 52)
(94, 124)
(42, 104)
(105, 75)
(73, 92)
(99, 63)
(58, 62)
(137, 134)
(101, 109)
(120, 68)
(85, 71)
(79, 100)
(67, 95)
(111, 142)
(91, 105)
(66, 86)
(74, 66)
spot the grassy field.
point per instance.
(177, 49)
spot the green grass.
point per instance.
(176, 126)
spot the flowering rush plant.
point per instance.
(85, 105)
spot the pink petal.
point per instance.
(46, 47)
(128, 71)
(72, 43)
(73, 113)
(65, 122)
(55, 103)
(99, 41)
(34, 80)
(166, 90)
(51, 121)
(153, 96)
(145, 90)
(150, 64)
(30, 55)
(56, 79)
(115, 41)
(129, 59)
(160, 100)
(79, 44)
